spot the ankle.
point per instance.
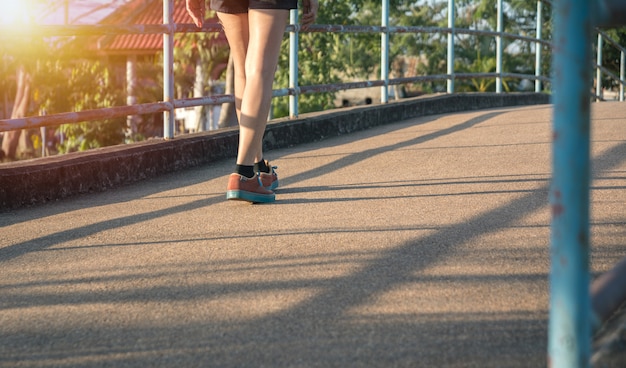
(261, 166)
(245, 170)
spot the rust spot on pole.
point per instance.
(557, 209)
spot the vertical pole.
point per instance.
(131, 97)
(569, 330)
(538, 46)
(384, 53)
(44, 135)
(598, 71)
(44, 141)
(293, 64)
(44, 138)
(168, 68)
(66, 12)
(622, 61)
(450, 84)
(499, 46)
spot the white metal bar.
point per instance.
(293, 64)
(384, 52)
(450, 57)
(499, 46)
(538, 45)
(168, 68)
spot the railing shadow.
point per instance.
(329, 324)
(193, 176)
(14, 251)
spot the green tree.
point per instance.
(611, 56)
(478, 53)
(79, 85)
(318, 62)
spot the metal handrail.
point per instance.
(602, 37)
(169, 104)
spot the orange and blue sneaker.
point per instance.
(269, 180)
(248, 189)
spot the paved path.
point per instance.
(418, 244)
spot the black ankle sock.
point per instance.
(261, 166)
(245, 170)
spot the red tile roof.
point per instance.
(142, 12)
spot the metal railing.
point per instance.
(168, 29)
(599, 94)
(294, 90)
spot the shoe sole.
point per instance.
(242, 195)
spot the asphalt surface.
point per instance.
(423, 243)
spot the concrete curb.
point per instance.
(33, 182)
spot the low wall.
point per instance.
(32, 182)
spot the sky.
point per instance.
(53, 11)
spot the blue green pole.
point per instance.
(598, 70)
(569, 331)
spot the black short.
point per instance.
(242, 6)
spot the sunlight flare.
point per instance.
(15, 12)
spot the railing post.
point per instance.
(384, 53)
(450, 71)
(293, 64)
(131, 95)
(598, 71)
(44, 141)
(500, 27)
(168, 68)
(538, 46)
(569, 330)
(622, 61)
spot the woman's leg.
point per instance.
(237, 33)
(254, 41)
(267, 28)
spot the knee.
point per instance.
(260, 71)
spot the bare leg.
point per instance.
(237, 33)
(253, 87)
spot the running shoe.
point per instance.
(269, 180)
(248, 189)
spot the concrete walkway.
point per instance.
(422, 243)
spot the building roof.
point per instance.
(142, 12)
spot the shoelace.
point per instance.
(258, 174)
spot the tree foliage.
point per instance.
(318, 60)
(611, 56)
(78, 85)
